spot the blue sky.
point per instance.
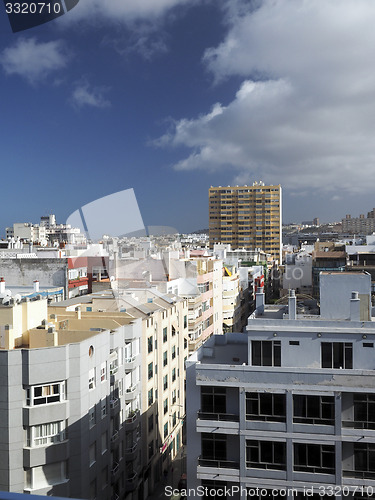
(169, 97)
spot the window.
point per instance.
(165, 405)
(213, 399)
(265, 407)
(173, 331)
(185, 343)
(149, 344)
(214, 446)
(150, 423)
(103, 408)
(185, 319)
(173, 352)
(314, 458)
(165, 430)
(92, 417)
(165, 382)
(92, 454)
(45, 394)
(92, 379)
(103, 372)
(174, 419)
(337, 355)
(317, 410)
(266, 454)
(364, 412)
(364, 460)
(150, 397)
(104, 441)
(173, 374)
(165, 334)
(40, 435)
(150, 371)
(165, 358)
(173, 396)
(266, 353)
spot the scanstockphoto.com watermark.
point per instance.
(228, 492)
(259, 492)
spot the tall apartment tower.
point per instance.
(246, 217)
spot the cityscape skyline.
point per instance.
(171, 97)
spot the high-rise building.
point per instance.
(246, 217)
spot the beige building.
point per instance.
(164, 349)
(247, 217)
(359, 225)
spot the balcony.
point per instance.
(131, 363)
(131, 481)
(221, 469)
(132, 421)
(114, 437)
(131, 453)
(225, 421)
(357, 474)
(115, 470)
(113, 370)
(131, 393)
(114, 405)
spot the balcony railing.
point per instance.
(351, 424)
(132, 449)
(359, 474)
(114, 436)
(132, 417)
(313, 421)
(115, 468)
(224, 417)
(113, 403)
(218, 464)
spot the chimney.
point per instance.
(355, 307)
(292, 305)
(36, 286)
(259, 301)
(2, 285)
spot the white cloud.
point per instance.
(83, 95)
(305, 113)
(33, 60)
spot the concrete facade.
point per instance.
(64, 426)
(247, 217)
(289, 404)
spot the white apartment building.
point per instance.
(66, 424)
(289, 405)
(157, 389)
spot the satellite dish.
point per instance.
(43, 242)
(6, 301)
(17, 298)
(112, 278)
